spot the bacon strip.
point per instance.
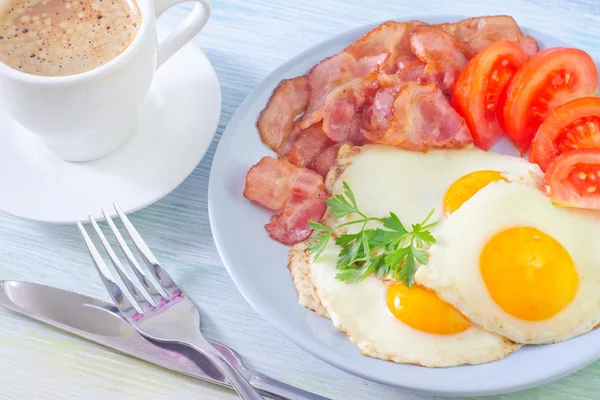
(424, 119)
(311, 142)
(378, 114)
(444, 55)
(291, 226)
(267, 183)
(390, 38)
(336, 122)
(337, 88)
(276, 122)
(299, 192)
(337, 92)
(529, 44)
(326, 159)
(323, 81)
(357, 127)
(480, 32)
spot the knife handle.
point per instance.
(281, 391)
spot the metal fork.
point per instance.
(159, 311)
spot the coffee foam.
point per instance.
(60, 37)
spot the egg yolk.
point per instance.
(528, 273)
(423, 310)
(464, 188)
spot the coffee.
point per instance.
(64, 37)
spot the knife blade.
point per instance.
(100, 322)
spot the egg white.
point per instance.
(454, 273)
(360, 310)
(299, 267)
(411, 184)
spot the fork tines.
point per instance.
(143, 294)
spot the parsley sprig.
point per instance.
(393, 251)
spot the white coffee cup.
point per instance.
(85, 116)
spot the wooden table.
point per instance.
(245, 40)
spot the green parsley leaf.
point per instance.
(390, 251)
(408, 270)
(350, 254)
(393, 223)
(339, 206)
(346, 238)
(394, 259)
(351, 274)
(425, 236)
(379, 238)
(366, 248)
(317, 227)
(421, 256)
(317, 245)
(348, 193)
(342, 205)
(382, 268)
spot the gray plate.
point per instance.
(257, 264)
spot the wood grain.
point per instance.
(245, 40)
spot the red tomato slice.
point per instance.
(573, 178)
(548, 79)
(573, 125)
(479, 86)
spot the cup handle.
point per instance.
(185, 31)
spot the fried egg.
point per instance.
(299, 266)
(383, 317)
(388, 321)
(411, 184)
(519, 266)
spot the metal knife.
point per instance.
(100, 322)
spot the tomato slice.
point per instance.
(479, 86)
(573, 125)
(573, 179)
(548, 79)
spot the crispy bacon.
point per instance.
(357, 126)
(324, 80)
(395, 82)
(337, 92)
(378, 114)
(291, 226)
(310, 143)
(276, 122)
(337, 88)
(390, 38)
(390, 86)
(305, 184)
(529, 44)
(288, 142)
(267, 183)
(480, 32)
(299, 192)
(337, 121)
(423, 119)
(314, 150)
(444, 55)
(326, 159)
(345, 122)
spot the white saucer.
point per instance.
(176, 124)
